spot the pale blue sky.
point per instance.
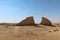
(16, 10)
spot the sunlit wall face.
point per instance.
(17, 10)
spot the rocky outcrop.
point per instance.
(26, 22)
(46, 21)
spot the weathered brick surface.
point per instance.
(27, 21)
(46, 21)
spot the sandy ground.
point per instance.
(40, 32)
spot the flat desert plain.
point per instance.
(40, 32)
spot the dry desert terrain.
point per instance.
(40, 32)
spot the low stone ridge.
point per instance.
(46, 21)
(26, 22)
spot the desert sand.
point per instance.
(40, 32)
(28, 30)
